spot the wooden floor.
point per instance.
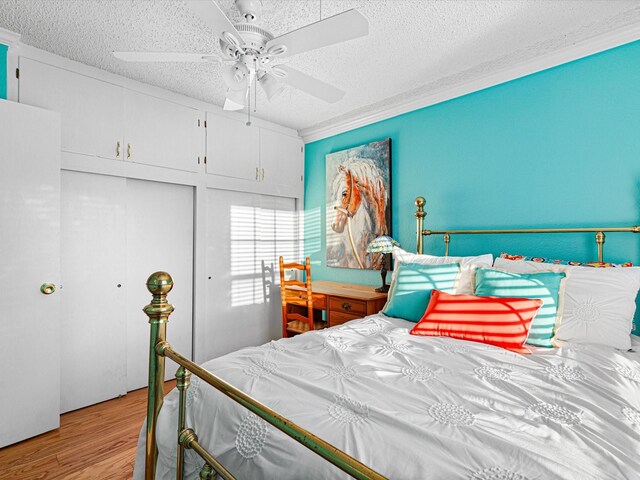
(97, 442)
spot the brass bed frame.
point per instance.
(421, 232)
(158, 311)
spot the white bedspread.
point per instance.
(418, 408)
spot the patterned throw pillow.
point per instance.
(599, 303)
(508, 256)
(412, 286)
(500, 321)
(543, 285)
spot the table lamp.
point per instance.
(384, 245)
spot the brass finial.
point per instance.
(420, 203)
(159, 284)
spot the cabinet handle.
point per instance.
(263, 174)
(346, 306)
(257, 174)
(118, 150)
(128, 150)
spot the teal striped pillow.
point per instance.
(543, 285)
(412, 286)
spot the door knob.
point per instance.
(48, 288)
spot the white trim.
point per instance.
(591, 46)
(9, 38)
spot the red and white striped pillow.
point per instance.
(499, 321)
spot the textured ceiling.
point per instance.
(414, 46)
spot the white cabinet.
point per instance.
(100, 119)
(159, 237)
(91, 110)
(281, 158)
(29, 246)
(93, 343)
(253, 153)
(245, 234)
(110, 245)
(162, 133)
(233, 149)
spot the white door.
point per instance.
(281, 158)
(241, 267)
(159, 237)
(91, 110)
(233, 149)
(161, 133)
(93, 270)
(30, 257)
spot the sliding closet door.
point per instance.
(243, 230)
(159, 237)
(93, 279)
(29, 252)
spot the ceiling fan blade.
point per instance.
(166, 57)
(308, 84)
(211, 13)
(339, 28)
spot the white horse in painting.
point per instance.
(359, 193)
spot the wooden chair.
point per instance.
(297, 302)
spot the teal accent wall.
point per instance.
(558, 148)
(3, 71)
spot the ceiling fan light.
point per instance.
(235, 76)
(236, 100)
(271, 86)
(276, 50)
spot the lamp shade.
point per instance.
(236, 76)
(382, 244)
(236, 100)
(271, 86)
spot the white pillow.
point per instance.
(466, 282)
(599, 303)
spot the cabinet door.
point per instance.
(159, 237)
(233, 149)
(93, 273)
(29, 249)
(242, 303)
(282, 158)
(91, 110)
(161, 133)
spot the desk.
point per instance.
(344, 301)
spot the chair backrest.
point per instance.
(300, 296)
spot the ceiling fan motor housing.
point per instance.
(254, 37)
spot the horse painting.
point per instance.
(358, 204)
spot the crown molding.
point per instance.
(9, 38)
(597, 44)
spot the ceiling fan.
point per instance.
(249, 50)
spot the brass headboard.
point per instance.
(421, 232)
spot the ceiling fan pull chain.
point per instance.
(255, 85)
(249, 107)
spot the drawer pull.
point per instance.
(346, 306)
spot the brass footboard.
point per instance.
(158, 311)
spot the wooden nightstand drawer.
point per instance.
(338, 318)
(348, 305)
